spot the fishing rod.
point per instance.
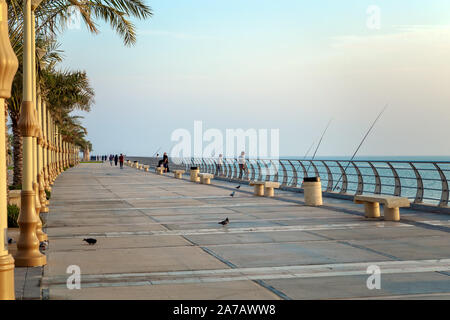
(315, 151)
(307, 152)
(318, 145)
(156, 152)
(360, 144)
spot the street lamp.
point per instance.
(28, 254)
(8, 66)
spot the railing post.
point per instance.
(259, 170)
(285, 176)
(275, 167)
(444, 195)
(330, 177)
(344, 179)
(316, 172)
(377, 179)
(236, 169)
(398, 185)
(360, 188)
(419, 184)
(253, 170)
(294, 174)
(266, 169)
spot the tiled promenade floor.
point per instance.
(159, 238)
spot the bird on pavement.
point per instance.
(232, 194)
(90, 241)
(238, 186)
(224, 222)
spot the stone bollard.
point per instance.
(313, 191)
(160, 170)
(194, 174)
(178, 174)
(372, 209)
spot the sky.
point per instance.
(290, 65)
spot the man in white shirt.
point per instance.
(242, 164)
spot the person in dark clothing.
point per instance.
(116, 159)
(111, 158)
(166, 162)
(121, 161)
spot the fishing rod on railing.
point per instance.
(315, 151)
(156, 152)
(360, 144)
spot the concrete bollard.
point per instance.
(178, 174)
(313, 191)
(194, 174)
(391, 214)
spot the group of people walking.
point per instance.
(116, 159)
(164, 162)
(243, 169)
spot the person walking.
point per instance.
(111, 159)
(121, 161)
(116, 159)
(219, 165)
(242, 165)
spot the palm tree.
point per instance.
(51, 18)
(66, 91)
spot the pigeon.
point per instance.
(232, 194)
(238, 186)
(91, 241)
(224, 222)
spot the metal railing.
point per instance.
(420, 181)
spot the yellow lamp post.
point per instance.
(8, 67)
(52, 149)
(28, 254)
(41, 138)
(40, 143)
(38, 132)
(46, 145)
(60, 152)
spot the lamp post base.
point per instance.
(7, 278)
(28, 254)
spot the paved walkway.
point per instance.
(159, 238)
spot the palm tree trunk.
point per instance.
(17, 152)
